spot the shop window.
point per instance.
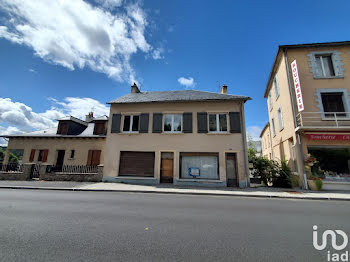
(172, 123)
(199, 165)
(333, 102)
(131, 123)
(217, 123)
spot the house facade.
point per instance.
(73, 142)
(308, 106)
(182, 137)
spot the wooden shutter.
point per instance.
(89, 160)
(187, 122)
(32, 154)
(157, 123)
(116, 123)
(46, 152)
(96, 154)
(235, 122)
(144, 119)
(202, 122)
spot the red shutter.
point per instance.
(46, 152)
(32, 154)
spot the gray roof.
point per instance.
(175, 96)
(74, 119)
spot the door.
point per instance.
(94, 157)
(231, 170)
(60, 158)
(167, 168)
(140, 164)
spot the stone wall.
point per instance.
(10, 175)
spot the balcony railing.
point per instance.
(323, 119)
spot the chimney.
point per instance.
(223, 90)
(89, 117)
(135, 89)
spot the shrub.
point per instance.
(264, 169)
(283, 177)
(319, 183)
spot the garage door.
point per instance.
(136, 164)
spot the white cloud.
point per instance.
(20, 118)
(158, 53)
(254, 132)
(32, 71)
(188, 82)
(77, 34)
(110, 4)
(7, 131)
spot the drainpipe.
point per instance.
(299, 144)
(245, 150)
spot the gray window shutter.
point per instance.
(144, 119)
(116, 123)
(235, 122)
(202, 122)
(187, 122)
(157, 123)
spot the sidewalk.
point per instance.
(263, 192)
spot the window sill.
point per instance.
(71, 158)
(218, 133)
(129, 133)
(277, 97)
(281, 129)
(328, 77)
(172, 133)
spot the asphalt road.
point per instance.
(96, 226)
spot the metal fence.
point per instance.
(11, 167)
(72, 169)
(323, 119)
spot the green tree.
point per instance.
(265, 169)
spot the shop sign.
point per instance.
(194, 172)
(328, 137)
(297, 86)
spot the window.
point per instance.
(270, 100)
(333, 102)
(275, 85)
(72, 153)
(280, 118)
(217, 123)
(273, 127)
(41, 155)
(131, 123)
(199, 165)
(100, 128)
(172, 123)
(325, 65)
(62, 128)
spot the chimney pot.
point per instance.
(89, 117)
(135, 89)
(223, 90)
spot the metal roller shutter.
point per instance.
(136, 164)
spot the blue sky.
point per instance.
(67, 57)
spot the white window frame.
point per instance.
(269, 98)
(273, 127)
(172, 123)
(276, 87)
(280, 118)
(218, 123)
(131, 123)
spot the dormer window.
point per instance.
(100, 128)
(62, 128)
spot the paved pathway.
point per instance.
(170, 189)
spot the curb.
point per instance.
(174, 193)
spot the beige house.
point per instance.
(308, 106)
(183, 137)
(73, 142)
